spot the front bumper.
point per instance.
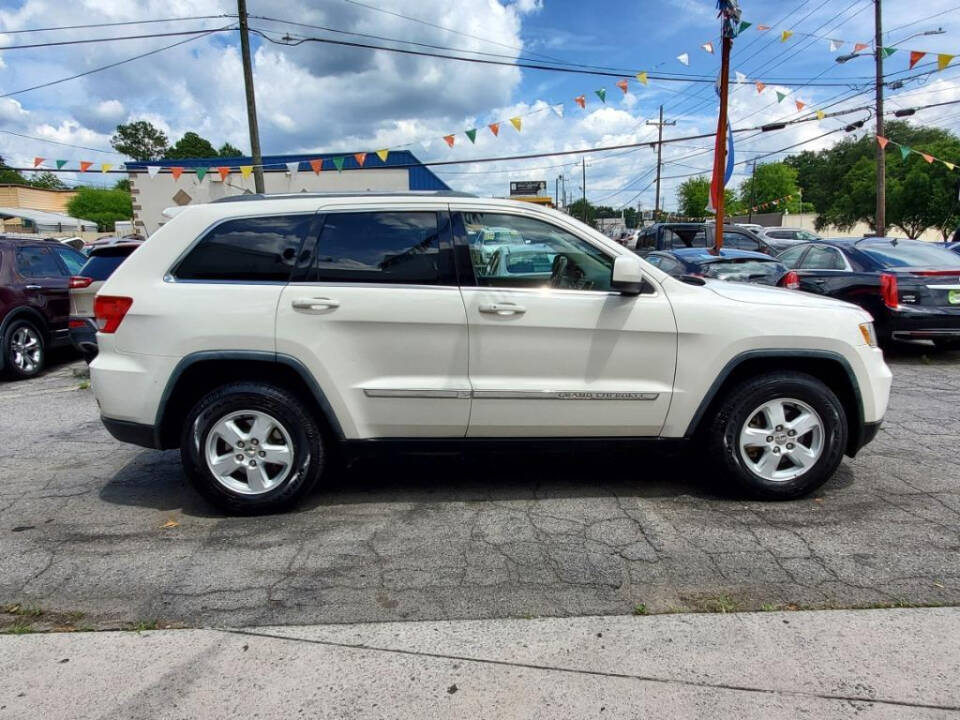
(868, 432)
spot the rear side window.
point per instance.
(738, 241)
(260, 249)
(822, 257)
(37, 262)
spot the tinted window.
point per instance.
(684, 237)
(672, 267)
(102, 265)
(791, 257)
(744, 270)
(738, 241)
(911, 255)
(379, 247)
(72, 259)
(37, 262)
(781, 234)
(247, 249)
(822, 257)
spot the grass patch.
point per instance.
(144, 625)
(84, 385)
(640, 609)
(23, 610)
(717, 604)
(19, 628)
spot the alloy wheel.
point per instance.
(249, 452)
(782, 439)
(26, 349)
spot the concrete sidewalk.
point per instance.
(828, 664)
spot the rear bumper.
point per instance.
(83, 336)
(134, 433)
(927, 334)
(921, 323)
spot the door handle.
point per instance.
(503, 309)
(316, 304)
(33, 287)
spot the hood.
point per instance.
(766, 295)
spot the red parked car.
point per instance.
(34, 301)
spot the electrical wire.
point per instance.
(57, 142)
(88, 41)
(114, 24)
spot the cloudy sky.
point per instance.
(330, 98)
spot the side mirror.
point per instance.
(627, 277)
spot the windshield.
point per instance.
(911, 255)
(744, 270)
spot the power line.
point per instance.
(57, 142)
(112, 24)
(88, 41)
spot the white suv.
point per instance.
(259, 335)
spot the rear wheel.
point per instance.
(23, 350)
(252, 448)
(779, 436)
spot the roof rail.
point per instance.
(290, 196)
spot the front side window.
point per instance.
(534, 254)
(259, 249)
(37, 262)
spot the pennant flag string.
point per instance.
(906, 151)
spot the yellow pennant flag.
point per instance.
(105, 167)
(245, 170)
(516, 122)
(642, 77)
(786, 35)
(949, 165)
(821, 114)
(382, 154)
(943, 60)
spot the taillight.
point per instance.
(78, 282)
(791, 280)
(75, 323)
(888, 291)
(110, 311)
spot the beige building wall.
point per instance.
(151, 196)
(21, 196)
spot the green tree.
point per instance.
(122, 184)
(693, 195)
(9, 176)
(104, 207)
(770, 182)
(228, 150)
(190, 145)
(139, 140)
(47, 179)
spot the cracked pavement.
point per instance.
(85, 527)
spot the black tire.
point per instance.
(736, 410)
(950, 344)
(14, 371)
(309, 448)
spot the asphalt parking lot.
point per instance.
(99, 534)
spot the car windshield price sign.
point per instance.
(528, 187)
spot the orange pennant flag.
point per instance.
(581, 101)
(760, 86)
(449, 139)
(928, 158)
(623, 85)
(382, 154)
(224, 171)
(361, 158)
(882, 141)
(316, 165)
(860, 46)
(494, 128)
(516, 122)
(943, 60)
(800, 105)
(37, 161)
(176, 172)
(915, 57)
(84, 165)
(763, 27)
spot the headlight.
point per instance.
(869, 334)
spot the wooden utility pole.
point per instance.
(881, 217)
(659, 124)
(584, 161)
(251, 100)
(721, 159)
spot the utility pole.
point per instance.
(583, 160)
(753, 190)
(881, 221)
(251, 100)
(659, 124)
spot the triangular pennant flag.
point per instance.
(708, 46)
(201, 172)
(360, 157)
(224, 171)
(245, 171)
(943, 60)
(915, 57)
(684, 58)
(516, 122)
(60, 164)
(105, 167)
(382, 154)
(37, 161)
(763, 27)
(84, 165)
(821, 114)
(888, 51)
(315, 165)
(743, 26)
(152, 171)
(928, 158)
(293, 167)
(835, 45)
(950, 165)
(623, 85)
(760, 86)
(449, 139)
(905, 151)
(642, 78)
(800, 105)
(786, 35)
(860, 46)
(581, 101)
(426, 143)
(882, 141)
(338, 163)
(780, 96)
(741, 78)
(175, 171)
(602, 94)
(557, 109)
(494, 128)
(472, 134)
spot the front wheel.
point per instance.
(779, 436)
(252, 448)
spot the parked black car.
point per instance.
(675, 236)
(911, 288)
(735, 265)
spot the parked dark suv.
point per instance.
(675, 236)
(34, 304)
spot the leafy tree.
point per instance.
(770, 182)
(139, 140)
(228, 150)
(9, 176)
(104, 207)
(122, 184)
(693, 195)
(190, 145)
(47, 179)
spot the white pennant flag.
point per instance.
(741, 78)
(708, 46)
(426, 144)
(835, 45)
(684, 58)
(293, 167)
(152, 170)
(557, 109)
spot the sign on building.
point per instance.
(528, 187)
